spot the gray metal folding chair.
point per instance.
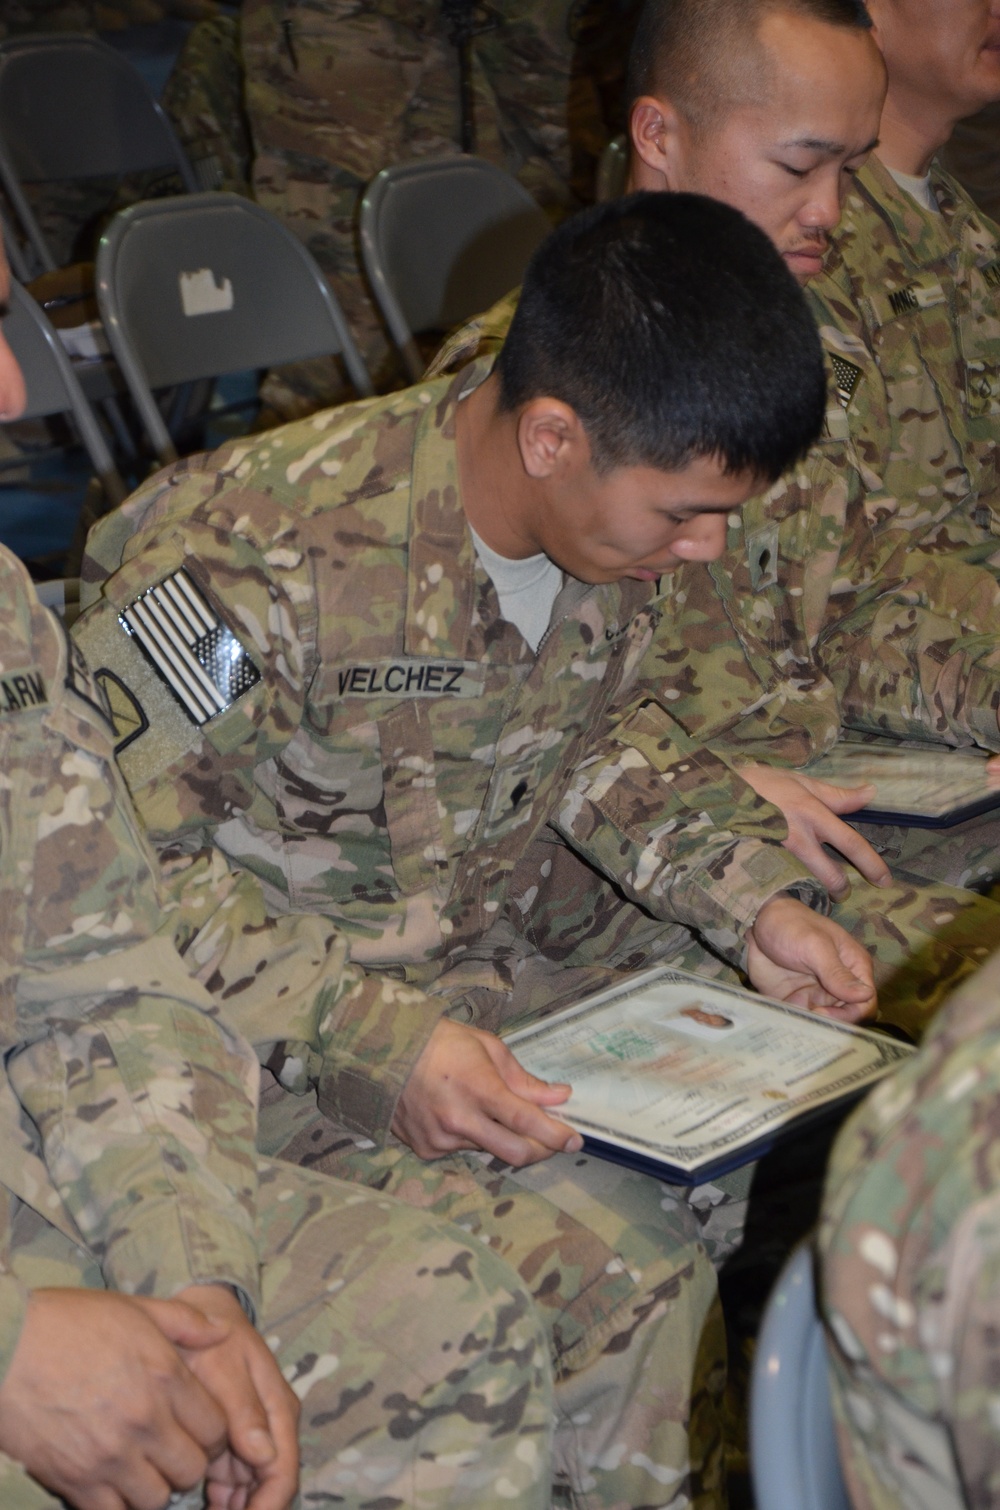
(207, 284)
(441, 240)
(52, 385)
(71, 107)
(793, 1444)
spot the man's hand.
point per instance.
(798, 956)
(468, 1091)
(809, 807)
(260, 1469)
(99, 1405)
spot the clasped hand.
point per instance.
(115, 1401)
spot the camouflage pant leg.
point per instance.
(924, 937)
(623, 1288)
(417, 1356)
(419, 1359)
(966, 855)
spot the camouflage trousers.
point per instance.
(621, 1283)
(417, 1354)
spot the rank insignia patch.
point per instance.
(846, 377)
(127, 717)
(195, 653)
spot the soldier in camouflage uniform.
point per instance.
(204, 98)
(909, 1292)
(849, 545)
(388, 744)
(138, 1228)
(729, 654)
(127, 1120)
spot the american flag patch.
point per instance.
(196, 654)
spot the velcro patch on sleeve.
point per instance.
(127, 715)
(190, 647)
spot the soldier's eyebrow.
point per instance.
(832, 149)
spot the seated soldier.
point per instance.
(771, 106)
(870, 572)
(364, 658)
(910, 1270)
(140, 1235)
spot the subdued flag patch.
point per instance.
(191, 648)
(846, 376)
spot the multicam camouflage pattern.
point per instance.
(204, 98)
(909, 1244)
(77, 885)
(420, 1362)
(138, 1170)
(335, 92)
(866, 578)
(338, 550)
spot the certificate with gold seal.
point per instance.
(688, 1077)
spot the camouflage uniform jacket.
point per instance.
(127, 1116)
(861, 591)
(385, 745)
(911, 1270)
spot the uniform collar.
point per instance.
(921, 239)
(441, 572)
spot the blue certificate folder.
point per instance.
(917, 786)
(687, 1078)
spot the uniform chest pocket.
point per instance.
(980, 333)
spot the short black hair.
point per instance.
(673, 328)
(704, 55)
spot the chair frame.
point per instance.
(793, 1446)
(19, 48)
(77, 405)
(370, 211)
(122, 345)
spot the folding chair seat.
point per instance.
(441, 240)
(208, 284)
(793, 1443)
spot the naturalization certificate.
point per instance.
(918, 786)
(693, 1076)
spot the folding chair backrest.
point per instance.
(52, 385)
(206, 284)
(71, 107)
(441, 240)
(793, 1443)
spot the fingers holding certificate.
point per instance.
(687, 1078)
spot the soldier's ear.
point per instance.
(550, 437)
(657, 138)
